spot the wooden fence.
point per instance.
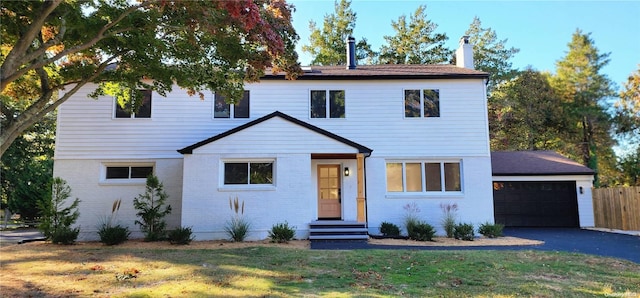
(617, 208)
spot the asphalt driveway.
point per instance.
(555, 239)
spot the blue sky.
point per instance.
(540, 29)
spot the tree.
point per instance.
(53, 45)
(491, 54)
(328, 45)
(415, 42)
(526, 114)
(584, 90)
(627, 108)
(629, 166)
(58, 215)
(152, 210)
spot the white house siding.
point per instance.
(475, 201)
(585, 199)
(85, 177)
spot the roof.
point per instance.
(384, 71)
(361, 148)
(533, 163)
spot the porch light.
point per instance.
(346, 171)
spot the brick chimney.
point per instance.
(464, 54)
(351, 53)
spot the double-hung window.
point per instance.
(129, 110)
(423, 176)
(248, 172)
(420, 103)
(327, 104)
(222, 109)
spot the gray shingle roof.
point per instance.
(385, 71)
(523, 163)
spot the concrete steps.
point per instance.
(337, 230)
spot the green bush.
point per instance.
(464, 231)
(282, 232)
(237, 229)
(389, 229)
(420, 231)
(151, 210)
(182, 235)
(490, 230)
(113, 235)
(57, 219)
(449, 218)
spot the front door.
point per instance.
(329, 192)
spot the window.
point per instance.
(248, 173)
(422, 103)
(143, 111)
(327, 107)
(128, 172)
(222, 109)
(416, 177)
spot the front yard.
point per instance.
(292, 270)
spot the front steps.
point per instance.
(337, 230)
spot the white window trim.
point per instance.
(424, 192)
(327, 104)
(246, 187)
(128, 181)
(132, 116)
(421, 89)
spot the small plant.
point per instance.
(389, 229)
(449, 218)
(464, 231)
(282, 233)
(490, 230)
(182, 235)
(411, 218)
(421, 231)
(237, 227)
(151, 210)
(56, 219)
(110, 234)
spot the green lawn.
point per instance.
(266, 270)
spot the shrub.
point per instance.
(389, 229)
(113, 235)
(421, 231)
(56, 219)
(411, 218)
(151, 210)
(282, 233)
(464, 231)
(182, 235)
(449, 218)
(237, 227)
(491, 230)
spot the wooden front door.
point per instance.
(329, 192)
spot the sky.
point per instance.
(540, 29)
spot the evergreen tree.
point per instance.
(58, 215)
(584, 91)
(152, 210)
(327, 45)
(491, 54)
(415, 41)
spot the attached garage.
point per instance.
(541, 189)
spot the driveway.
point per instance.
(555, 239)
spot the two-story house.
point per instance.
(352, 144)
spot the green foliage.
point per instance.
(58, 216)
(327, 45)
(152, 210)
(237, 228)
(113, 235)
(415, 42)
(490, 230)
(389, 229)
(420, 231)
(464, 231)
(182, 235)
(282, 232)
(449, 218)
(630, 168)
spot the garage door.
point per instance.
(535, 204)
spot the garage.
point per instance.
(541, 189)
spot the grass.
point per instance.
(39, 270)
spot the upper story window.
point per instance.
(143, 111)
(415, 177)
(422, 103)
(327, 103)
(222, 109)
(248, 172)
